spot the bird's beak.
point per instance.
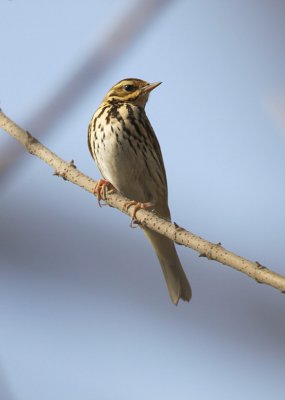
(149, 87)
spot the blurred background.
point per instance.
(84, 311)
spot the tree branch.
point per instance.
(212, 251)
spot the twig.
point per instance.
(212, 251)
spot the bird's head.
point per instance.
(130, 90)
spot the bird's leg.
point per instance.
(137, 206)
(101, 188)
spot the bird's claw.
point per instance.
(100, 190)
(137, 206)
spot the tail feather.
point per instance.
(176, 280)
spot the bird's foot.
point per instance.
(137, 206)
(102, 187)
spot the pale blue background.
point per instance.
(84, 312)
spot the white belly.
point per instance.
(121, 165)
(126, 156)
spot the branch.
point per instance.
(212, 251)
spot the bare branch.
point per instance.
(68, 171)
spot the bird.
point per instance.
(126, 150)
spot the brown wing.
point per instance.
(161, 208)
(153, 139)
(89, 137)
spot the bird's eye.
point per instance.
(129, 88)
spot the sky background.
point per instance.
(84, 311)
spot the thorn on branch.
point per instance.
(208, 254)
(31, 138)
(60, 174)
(30, 141)
(260, 266)
(202, 255)
(71, 164)
(177, 229)
(63, 173)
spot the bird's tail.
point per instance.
(176, 280)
